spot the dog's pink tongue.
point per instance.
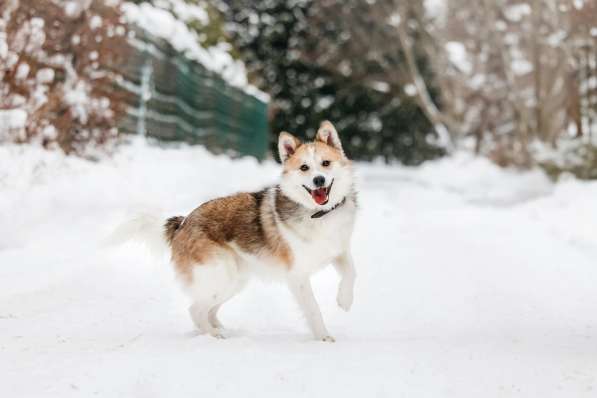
(319, 195)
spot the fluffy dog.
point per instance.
(287, 231)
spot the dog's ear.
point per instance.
(287, 145)
(328, 135)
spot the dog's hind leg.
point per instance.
(213, 317)
(213, 312)
(212, 285)
(200, 315)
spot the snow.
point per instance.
(556, 38)
(45, 75)
(188, 11)
(95, 22)
(73, 9)
(3, 47)
(12, 119)
(473, 282)
(410, 89)
(77, 96)
(37, 23)
(394, 20)
(521, 66)
(382, 87)
(458, 56)
(516, 12)
(22, 71)
(163, 24)
(324, 102)
(436, 8)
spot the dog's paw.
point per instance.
(217, 334)
(328, 339)
(344, 298)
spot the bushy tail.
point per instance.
(149, 230)
(172, 225)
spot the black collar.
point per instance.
(322, 213)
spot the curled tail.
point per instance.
(148, 229)
(172, 225)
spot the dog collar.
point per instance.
(322, 213)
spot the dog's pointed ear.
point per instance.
(287, 145)
(328, 135)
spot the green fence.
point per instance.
(176, 99)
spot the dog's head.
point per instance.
(317, 174)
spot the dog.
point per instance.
(287, 231)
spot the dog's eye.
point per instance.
(304, 167)
(325, 163)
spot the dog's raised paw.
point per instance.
(344, 299)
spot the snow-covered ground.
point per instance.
(473, 282)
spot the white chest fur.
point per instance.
(315, 242)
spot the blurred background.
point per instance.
(474, 129)
(404, 81)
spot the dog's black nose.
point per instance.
(319, 181)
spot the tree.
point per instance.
(56, 68)
(518, 68)
(278, 44)
(513, 75)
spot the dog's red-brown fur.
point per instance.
(215, 225)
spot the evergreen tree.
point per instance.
(276, 39)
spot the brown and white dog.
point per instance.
(288, 231)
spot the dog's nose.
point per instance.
(319, 181)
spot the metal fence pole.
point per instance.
(146, 91)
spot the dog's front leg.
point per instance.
(300, 286)
(345, 268)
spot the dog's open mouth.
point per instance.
(320, 195)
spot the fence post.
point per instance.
(146, 91)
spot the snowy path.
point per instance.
(473, 282)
